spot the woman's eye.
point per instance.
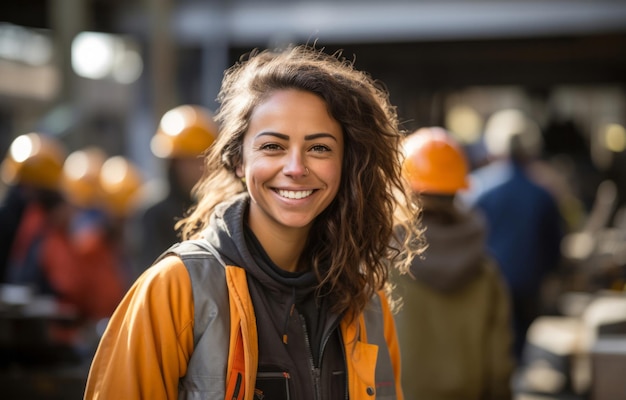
(320, 148)
(270, 147)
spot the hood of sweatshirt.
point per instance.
(229, 233)
(279, 291)
(454, 254)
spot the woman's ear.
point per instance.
(239, 171)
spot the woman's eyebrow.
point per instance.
(275, 134)
(312, 136)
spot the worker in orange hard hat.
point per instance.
(32, 171)
(454, 327)
(80, 186)
(104, 192)
(183, 134)
(122, 187)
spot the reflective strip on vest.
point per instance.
(206, 369)
(375, 331)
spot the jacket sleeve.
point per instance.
(149, 339)
(391, 338)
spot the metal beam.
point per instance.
(347, 22)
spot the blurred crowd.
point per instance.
(76, 229)
(509, 297)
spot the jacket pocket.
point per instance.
(363, 357)
(272, 386)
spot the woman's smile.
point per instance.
(294, 194)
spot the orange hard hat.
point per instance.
(434, 162)
(34, 159)
(81, 176)
(184, 131)
(120, 182)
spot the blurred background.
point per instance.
(102, 73)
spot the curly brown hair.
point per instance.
(354, 238)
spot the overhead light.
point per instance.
(98, 55)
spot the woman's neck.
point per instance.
(283, 247)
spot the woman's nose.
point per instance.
(295, 166)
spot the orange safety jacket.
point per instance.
(161, 345)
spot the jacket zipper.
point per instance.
(315, 372)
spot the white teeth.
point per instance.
(290, 194)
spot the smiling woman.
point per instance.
(297, 202)
(290, 132)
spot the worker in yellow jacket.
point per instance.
(279, 290)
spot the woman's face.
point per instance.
(292, 157)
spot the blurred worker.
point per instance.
(184, 133)
(33, 205)
(454, 326)
(523, 218)
(97, 228)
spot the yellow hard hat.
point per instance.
(120, 182)
(434, 163)
(34, 159)
(184, 131)
(81, 176)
